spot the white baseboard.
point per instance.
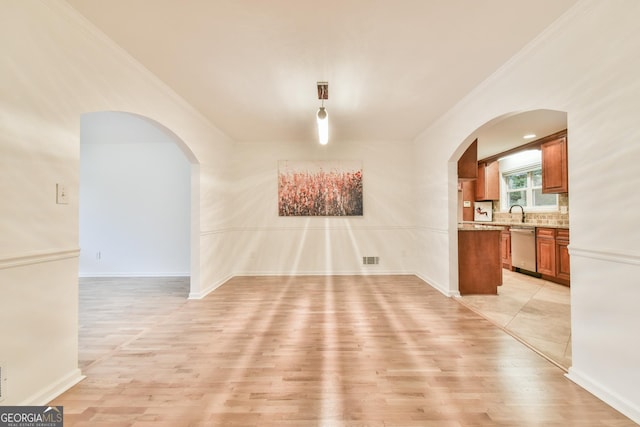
(203, 293)
(610, 398)
(438, 287)
(55, 389)
(135, 274)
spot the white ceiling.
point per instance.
(251, 66)
(508, 132)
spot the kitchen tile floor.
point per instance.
(535, 311)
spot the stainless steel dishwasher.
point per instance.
(523, 248)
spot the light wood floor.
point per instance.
(536, 311)
(309, 351)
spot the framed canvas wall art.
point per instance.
(320, 188)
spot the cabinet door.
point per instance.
(555, 178)
(468, 193)
(488, 182)
(546, 251)
(506, 249)
(479, 266)
(492, 181)
(481, 185)
(562, 256)
(468, 163)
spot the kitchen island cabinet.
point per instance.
(506, 248)
(479, 260)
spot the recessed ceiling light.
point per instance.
(529, 136)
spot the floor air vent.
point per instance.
(366, 260)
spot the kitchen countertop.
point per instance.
(474, 226)
(502, 225)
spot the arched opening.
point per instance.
(510, 190)
(138, 215)
(136, 198)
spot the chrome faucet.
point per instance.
(521, 208)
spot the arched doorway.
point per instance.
(138, 196)
(530, 304)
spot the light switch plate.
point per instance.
(466, 203)
(62, 197)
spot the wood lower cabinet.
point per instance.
(553, 255)
(479, 261)
(562, 255)
(505, 249)
(546, 251)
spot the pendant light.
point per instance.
(322, 117)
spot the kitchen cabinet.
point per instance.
(546, 251)
(468, 193)
(488, 181)
(505, 248)
(553, 255)
(562, 256)
(479, 261)
(555, 178)
(468, 163)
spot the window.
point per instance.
(524, 187)
(521, 182)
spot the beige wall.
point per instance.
(586, 64)
(54, 68)
(268, 244)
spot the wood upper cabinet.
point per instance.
(488, 182)
(468, 193)
(555, 178)
(468, 163)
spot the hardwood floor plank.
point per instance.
(308, 351)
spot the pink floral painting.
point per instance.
(322, 188)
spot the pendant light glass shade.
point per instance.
(323, 126)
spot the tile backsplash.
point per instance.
(543, 218)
